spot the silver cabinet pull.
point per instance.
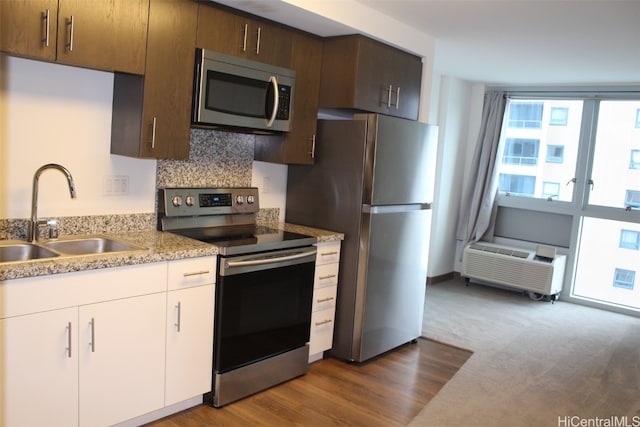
(70, 24)
(196, 273)
(244, 37)
(397, 98)
(330, 276)
(329, 253)
(92, 343)
(325, 299)
(153, 133)
(69, 340)
(324, 322)
(177, 324)
(47, 26)
(258, 42)
(313, 146)
(389, 96)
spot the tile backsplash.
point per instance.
(216, 159)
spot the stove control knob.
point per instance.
(176, 201)
(189, 200)
(251, 199)
(239, 200)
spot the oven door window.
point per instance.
(261, 314)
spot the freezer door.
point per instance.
(392, 279)
(400, 161)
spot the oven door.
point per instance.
(263, 306)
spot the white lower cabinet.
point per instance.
(324, 299)
(39, 373)
(189, 328)
(122, 363)
(96, 348)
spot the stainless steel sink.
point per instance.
(11, 252)
(88, 245)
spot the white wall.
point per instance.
(59, 114)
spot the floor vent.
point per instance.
(514, 267)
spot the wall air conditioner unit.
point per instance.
(539, 272)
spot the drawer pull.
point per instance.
(329, 253)
(196, 273)
(324, 322)
(325, 299)
(330, 276)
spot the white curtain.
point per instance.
(478, 207)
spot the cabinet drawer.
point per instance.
(326, 275)
(324, 298)
(328, 252)
(321, 331)
(192, 272)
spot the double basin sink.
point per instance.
(15, 251)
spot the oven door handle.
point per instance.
(270, 260)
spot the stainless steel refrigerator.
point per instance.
(373, 181)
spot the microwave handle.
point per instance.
(274, 82)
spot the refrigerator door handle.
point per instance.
(368, 209)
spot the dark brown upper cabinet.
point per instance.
(105, 35)
(363, 74)
(152, 113)
(298, 146)
(233, 33)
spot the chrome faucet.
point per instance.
(32, 232)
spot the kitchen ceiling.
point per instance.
(510, 42)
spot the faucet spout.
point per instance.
(32, 232)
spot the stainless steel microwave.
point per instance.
(243, 94)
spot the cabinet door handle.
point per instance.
(69, 340)
(325, 299)
(313, 146)
(329, 253)
(389, 96)
(153, 133)
(397, 98)
(177, 324)
(330, 276)
(70, 24)
(258, 42)
(196, 273)
(244, 37)
(47, 26)
(324, 322)
(92, 343)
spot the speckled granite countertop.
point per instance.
(159, 246)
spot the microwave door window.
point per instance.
(236, 95)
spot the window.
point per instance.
(634, 163)
(559, 116)
(550, 190)
(630, 239)
(638, 118)
(624, 278)
(517, 184)
(632, 199)
(520, 151)
(555, 153)
(526, 115)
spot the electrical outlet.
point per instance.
(116, 185)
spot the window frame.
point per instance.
(628, 243)
(564, 120)
(622, 284)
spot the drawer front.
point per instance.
(326, 275)
(191, 272)
(321, 331)
(324, 298)
(328, 253)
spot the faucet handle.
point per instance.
(53, 228)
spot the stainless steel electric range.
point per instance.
(264, 286)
